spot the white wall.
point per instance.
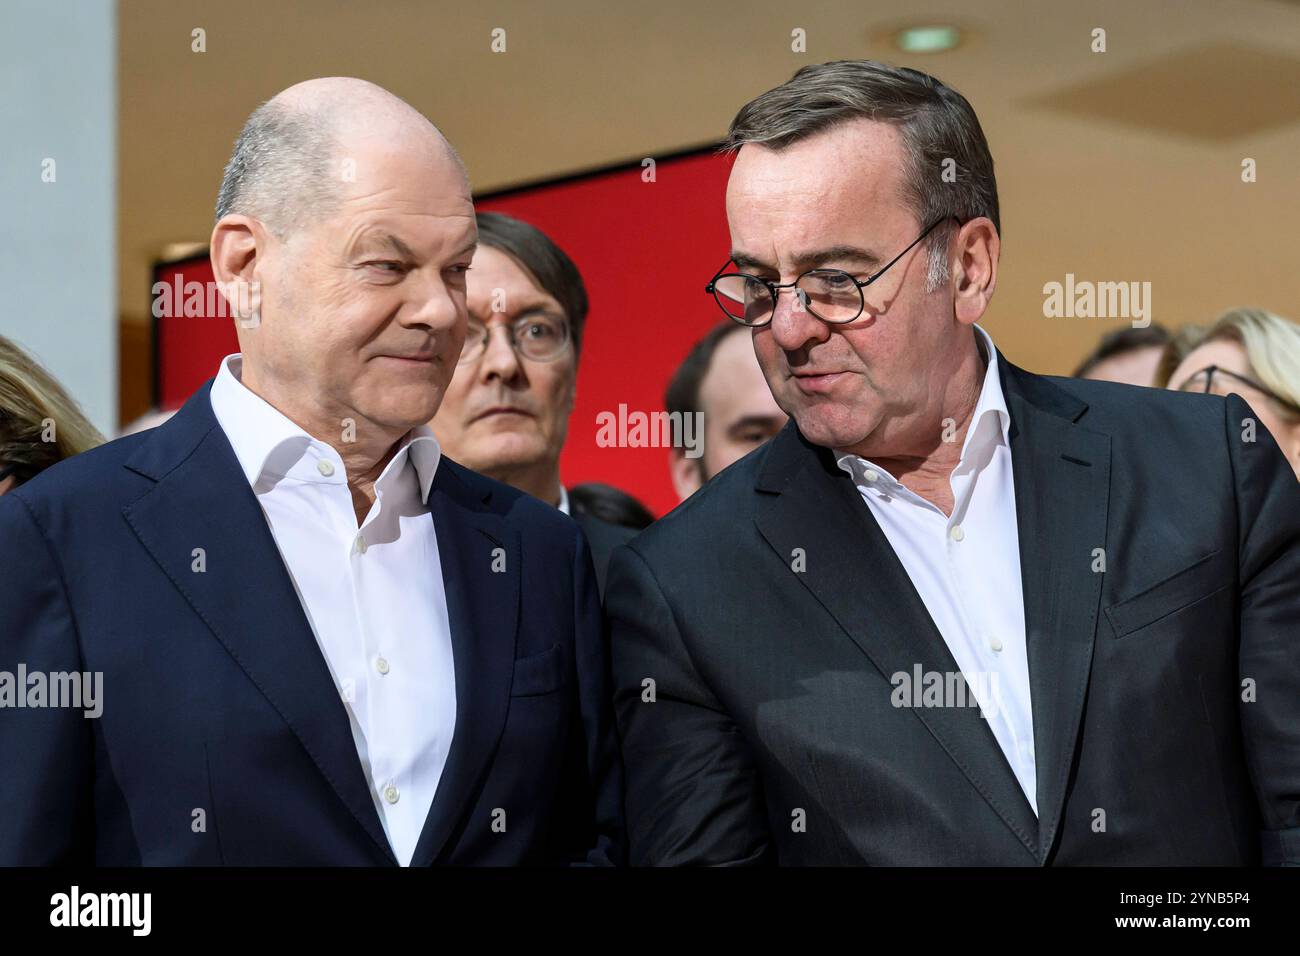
(58, 271)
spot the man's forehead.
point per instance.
(411, 235)
(493, 269)
(858, 155)
(378, 196)
(840, 189)
(415, 178)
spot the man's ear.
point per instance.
(237, 242)
(975, 275)
(685, 473)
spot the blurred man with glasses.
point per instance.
(954, 612)
(506, 413)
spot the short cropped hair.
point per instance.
(280, 171)
(939, 130)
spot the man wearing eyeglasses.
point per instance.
(954, 613)
(506, 412)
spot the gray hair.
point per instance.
(280, 169)
(936, 123)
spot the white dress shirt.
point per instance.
(373, 594)
(564, 500)
(966, 567)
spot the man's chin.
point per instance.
(397, 401)
(502, 455)
(831, 428)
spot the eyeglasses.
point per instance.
(540, 337)
(1210, 371)
(831, 295)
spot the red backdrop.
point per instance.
(645, 249)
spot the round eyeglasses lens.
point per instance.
(744, 299)
(831, 295)
(1198, 381)
(475, 338)
(541, 337)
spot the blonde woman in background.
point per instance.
(1255, 354)
(40, 424)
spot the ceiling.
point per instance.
(1118, 166)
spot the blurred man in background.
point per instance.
(720, 379)
(507, 409)
(1127, 355)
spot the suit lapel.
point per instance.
(1062, 480)
(480, 557)
(201, 500)
(854, 573)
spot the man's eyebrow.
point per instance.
(811, 259)
(387, 240)
(745, 261)
(841, 253)
(396, 245)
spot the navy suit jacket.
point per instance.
(223, 739)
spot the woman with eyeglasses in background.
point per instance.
(40, 424)
(1256, 355)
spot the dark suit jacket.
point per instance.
(603, 538)
(772, 686)
(217, 697)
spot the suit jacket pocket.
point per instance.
(1174, 593)
(538, 673)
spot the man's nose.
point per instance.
(499, 356)
(435, 307)
(793, 326)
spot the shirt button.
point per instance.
(381, 665)
(870, 475)
(325, 468)
(361, 544)
(956, 533)
(995, 644)
(391, 794)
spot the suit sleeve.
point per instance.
(694, 796)
(46, 753)
(594, 832)
(1268, 516)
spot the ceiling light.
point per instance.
(927, 39)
